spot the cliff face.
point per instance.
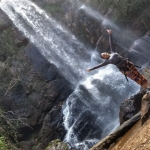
(32, 91)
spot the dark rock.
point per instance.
(52, 127)
(5, 22)
(57, 145)
(84, 127)
(88, 23)
(47, 70)
(131, 106)
(36, 93)
(19, 38)
(26, 145)
(145, 110)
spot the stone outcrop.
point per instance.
(57, 145)
(131, 106)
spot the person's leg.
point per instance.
(131, 71)
(146, 85)
(137, 77)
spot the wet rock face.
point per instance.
(52, 128)
(85, 128)
(130, 107)
(43, 68)
(4, 21)
(33, 97)
(30, 88)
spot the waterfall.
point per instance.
(139, 52)
(56, 44)
(91, 111)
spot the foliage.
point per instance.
(7, 46)
(8, 50)
(3, 145)
(128, 10)
(8, 132)
(105, 5)
(8, 79)
(8, 129)
(124, 10)
(53, 9)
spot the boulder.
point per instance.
(131, 106)
(52, 127)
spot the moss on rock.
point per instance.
(7, 44)
(3, 145)
(57, 145)
(53, 9)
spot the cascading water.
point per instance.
(55, 42)
(91, 111)
(139, 52)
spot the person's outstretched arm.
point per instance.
(110, 41)
(98, 66)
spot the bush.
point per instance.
(3, 145)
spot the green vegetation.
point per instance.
(3, 145)
(8, 79)
(53, 9)
(8, 132)
(7, 46)
(8, 52)
(125, 10)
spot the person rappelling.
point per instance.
(123, 64)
